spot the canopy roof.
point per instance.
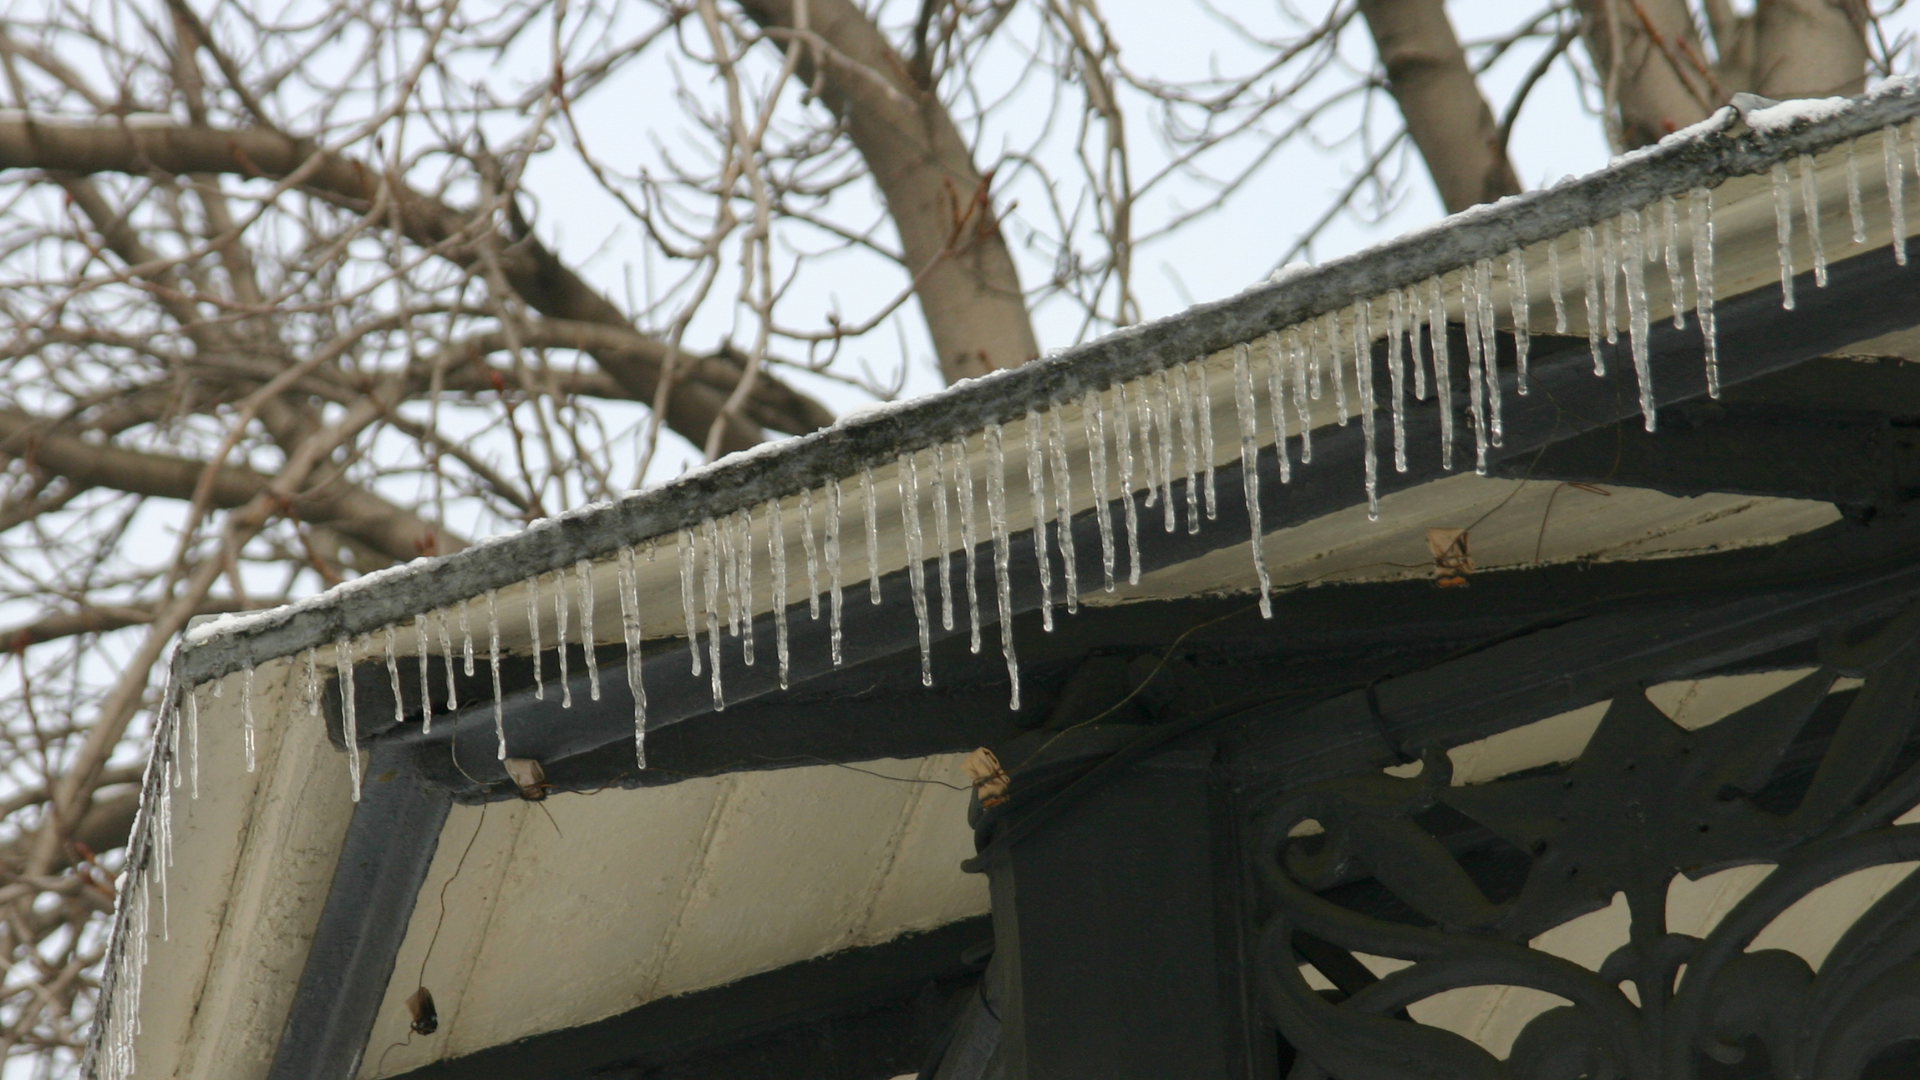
(736, 843)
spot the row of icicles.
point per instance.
(1143, 419)
(1167, 416)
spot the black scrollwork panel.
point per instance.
(1807, 779)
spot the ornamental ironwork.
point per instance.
(1809, 779)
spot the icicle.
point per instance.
(1189, 442)
(1855, 215)
(729, 576)
(1035, 435)
(969, 538)
(1203, 403)
(1297, 339)
(246, 707)
(1589, 264)
(1063, 507)
(493, 658)
(393, 678)
(689, 574)
(1123, 446)
(777, 560)
(466, 636)
(1476, 378)
(1277, 402)
(1002, 543)
(533, 632)
(193, 737)
(1396, 331)
(873, 534)
(1148, 458)
(629, 587)
(1248, 415)
(1363, 387)
(1332, 321)
(1637, 309)
(1676, 277)
(1558, 293)
(943, 539)
(1490, 351)
(1093, 428)
(743, 551)
(1810, 203)
(711, 588)
(833, 569)
(583, 576)
(349, 721)
(1410, 303)
(313, 685)
(1783, 230)
(1442, 367)
(1700, 219)
(909, 471)
(1277, 354)
(1896, 190)
(1610, 269)
(813, 555)
(1522, 307)
(1163, 420)
(1311, 333)
(561, 617)
(423, 649)
(446, 654)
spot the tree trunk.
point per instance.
(1445, 114)
(1651, 66)
(940, 203)
(1809, 48)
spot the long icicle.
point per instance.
(562, 620)
(1297, 340)
(466, 635)
(1189, 441)
(1123, 446)
(711, 587)
(1676, 277)
(1248, 415)
(1442, 367)
(446, 655)
(349, 721)
(1063, 506)
(997, 521)
(943, 534)
(1034, 434)
(1410, 303)
(493, 659)
(629, 586)
(1856, 215)
(1093, 428)
(909, 478)
(533, 633)
(1277, 402)
(1203, 406)
(1476, 379)
(313, 683)
(1634, 256)
(246, 706)
(1396, 332)
(1610, 271)
(1332, 322)
(969, 538)
(872, 509)
(1783, 230)
(808, 547)
(689, 575)
(1896, 190)
(1700, 218)
(743, 551)
(729, 575)
(1589, 265)
(1163, 422)
(1490, 351)
(1137, 390)
(1557, 292)
(777, 562)
(393, 675)
(834, 594)
(1522, 308)
(583, 576)
(1810, 205)
(423, 649)
(1363, 387)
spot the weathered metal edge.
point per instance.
(878, 438)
